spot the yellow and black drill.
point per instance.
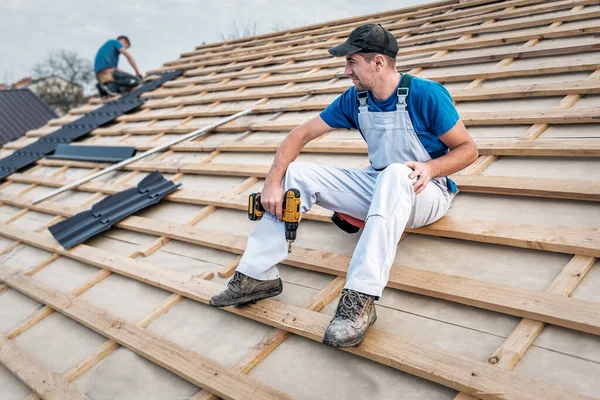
(290, 212)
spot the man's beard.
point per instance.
(361, 87)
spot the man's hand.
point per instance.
(422, 170)
(140, 75)
(272, 200)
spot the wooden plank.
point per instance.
(471, 94)
(517, 186)
(35, 375)
(318, 34)
(412, 11)
(540, 148)
(450, 60)
(511, 351)
(228, 269)
(571, 313)
(573, 189)
(451, 370)
(571, 64)
(504, 92)
(524, 335)
(502, 147)
(276, 337)
(416, 48)
(190, 366)
(258, 59)
(410, 19)
(562, 239)
(425, 11)
(253, 60)
(527, 91)
(511, 117)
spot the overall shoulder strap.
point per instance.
(362, 101)
(403, 90)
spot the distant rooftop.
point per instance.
(20, 111)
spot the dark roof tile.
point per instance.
(21, 110)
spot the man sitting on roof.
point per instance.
(111, 80)
(415, 138)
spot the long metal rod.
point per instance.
(197, 133)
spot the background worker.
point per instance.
(415, 139)
(112, 80)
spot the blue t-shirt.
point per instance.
(108, 55)
(429, 107)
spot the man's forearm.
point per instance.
(286, 153)
(456, 160)
(133, 65)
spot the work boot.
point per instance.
(242, 289)
(104, 91)
(355, 313)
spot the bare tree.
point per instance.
(60, 79)
(239, 31)
(282, 26)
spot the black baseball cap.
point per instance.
(369, 38)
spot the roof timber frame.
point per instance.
(522, 338)
(495, 27)
(453, 21)
(440, 20)
(423, 45)
(378, 345)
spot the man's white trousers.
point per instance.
(384, 200)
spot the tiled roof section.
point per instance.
(21, 110)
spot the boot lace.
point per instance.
(350, 305)
(235, 283)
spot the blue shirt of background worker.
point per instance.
(108, 55)
(111, 80)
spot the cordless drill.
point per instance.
(290, 212)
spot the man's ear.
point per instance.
(379, 62)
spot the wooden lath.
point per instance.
(191, 366)
(501, 147)
(575, 189)
(34, 374)
(489, 296)
(439, 21)
(491, 40)
(568, 239)
(418, 359)
(330, 39)
(489, 118)
(469, 94)
(478, 57)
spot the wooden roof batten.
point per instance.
(287, 76)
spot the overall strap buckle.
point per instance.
(402, 95)
(362, 101)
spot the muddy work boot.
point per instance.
(242, 289)
(355, 313)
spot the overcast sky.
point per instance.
(159, 30)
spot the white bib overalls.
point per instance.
(381, 194)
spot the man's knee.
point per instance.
(296, 170)
(299, 174)
(398, 172)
